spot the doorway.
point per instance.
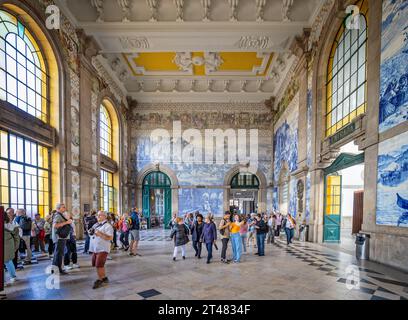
(244, 193)
(156, 203)
(344, 187)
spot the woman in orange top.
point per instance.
(235, 236)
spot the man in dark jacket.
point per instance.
(196, 231)
(26, 225)
(261, 230)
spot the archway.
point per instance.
(244, 193)
(261, 194)
(156, 203)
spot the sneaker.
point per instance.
(12, 280)
(105, 280)
(138, 254)
(184, 258)
(26, 262)
(131, 254)
(75, 266)
(97, 284)
(63, 273)
(68, 267)
(109, 258)
(208, 262)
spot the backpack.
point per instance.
(263, 227)
(64, 231)
(26, 224)
(222, 231)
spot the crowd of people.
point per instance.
(56, 234)
(241, 229)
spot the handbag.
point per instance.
(63, 232)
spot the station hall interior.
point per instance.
(182, 106)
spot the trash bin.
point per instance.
(362, 246)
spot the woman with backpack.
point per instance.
(11, 242)
(180, 235)
(209, 236)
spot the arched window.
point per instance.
(244, 181)
(105, 125)
(346, 74)
(23, 76)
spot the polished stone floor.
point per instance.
(299, 271)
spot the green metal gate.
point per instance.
(156, 180)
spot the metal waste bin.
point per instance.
(362, 246)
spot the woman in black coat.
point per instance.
(196, 231)
(180, 235)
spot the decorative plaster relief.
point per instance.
(76, 206)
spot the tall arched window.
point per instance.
(23, 76)
(109, 141)
(105, 125)
(25, 164)
(346, 74)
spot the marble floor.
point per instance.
(299, 271)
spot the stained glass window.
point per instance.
(23, 77)
(105, 125)
(346, 81)
(24, 174)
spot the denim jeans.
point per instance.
(289, 234)
(59, 253)
(209, 249)
(236, 246)
(10, 268)
(197, 248)
(260, 240)
(244, 241)
(87, 241)
(224, 248)
(70, 253)
(124, 238)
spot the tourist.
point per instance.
(180, 235)
(173, 222)
(11, 242)
(189, 220)
(70, 256)
(89, 221)
(196, 232)
(209, 236)
(48, 230)
(114, 223)
(134, 233)
(271, 229)
(225, 235)
(251, 232)
(243, 232)
(39, 233)
(101, 235)
(12, 218)
(124, 227)
(236, 241)
(289, 225)
(61, 227)
(26, 225)
(261, 230)
(278, 224)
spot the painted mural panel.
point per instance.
(309, 129)
(199, 173)
(203, 200)
(392, 187)
(292, 197)
(394, 67)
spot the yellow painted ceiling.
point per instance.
(237, 62)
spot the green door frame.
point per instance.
(343, 161)
(156, 180)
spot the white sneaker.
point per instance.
(68, 268)
(75, 266)
(12, 280)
